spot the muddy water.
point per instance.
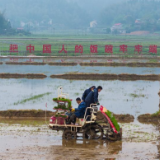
(49, 70)
(21, 141)
(25, 141)
(120, 97)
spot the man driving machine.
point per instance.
(77, 112)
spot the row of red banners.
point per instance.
(79, 48)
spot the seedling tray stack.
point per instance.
(63, 105)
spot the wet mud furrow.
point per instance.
(25, 63)
(25, 114)
(149, 118)
(62, 64)
(122, 77)
(17, 76)
(134, 64)
(41, 113)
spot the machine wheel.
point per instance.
(113, 137)
(88, 133)
(93, 132)
(98, 131)
(68, 135)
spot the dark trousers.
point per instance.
(72, 118)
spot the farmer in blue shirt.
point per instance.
(77, 112)
(92, 98)
(86, 92)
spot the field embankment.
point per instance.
(107, 64)
(62, 64)
(25, 63)
(17, 76)
(93, 76)
(122, 64)
(25, 114)
(123, 118)
(153, 118)
(40, 114)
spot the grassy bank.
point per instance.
(85, 40)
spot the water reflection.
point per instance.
(131, 97)
(49, 70)
(83, 149)
(103, 150)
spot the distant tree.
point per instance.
(108, 30)
(4, 24)
(6, 29)
(148, 11)
(115, 31)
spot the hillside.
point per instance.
(133, 14)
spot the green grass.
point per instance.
(86, 40)
(153, 61)
(32, 98)
(136, 95)
(156, 114)
(61, 115)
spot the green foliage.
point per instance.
(156, 114)
(62, 14)
(146, 11)
(61, 115)
(113, 119)
(64, 107)
(32, 98)
(6, 29)
(5, 26)
(153, 61)
(136, 95)
(61, 107)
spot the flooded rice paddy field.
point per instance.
(49, 70)
(131, 97)
(27, 140)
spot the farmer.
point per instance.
(86, 92)
(77, 112)
(92, 98)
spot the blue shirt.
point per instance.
(80, 111)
